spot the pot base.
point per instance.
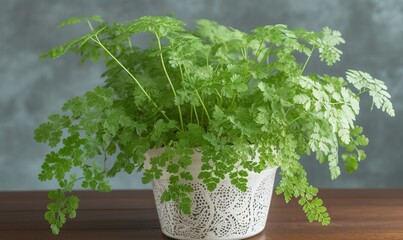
(223, 214)
(220, 238)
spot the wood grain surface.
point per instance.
(119, 215)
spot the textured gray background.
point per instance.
(31, 89)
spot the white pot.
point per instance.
(225, 213)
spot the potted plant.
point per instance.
(208, 114)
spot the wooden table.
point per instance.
(356, 214)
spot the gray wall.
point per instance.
(31, 89)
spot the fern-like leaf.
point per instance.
(363, 82)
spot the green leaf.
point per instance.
(151, 174)
(166, 196)
(51, 131)
(376, 88)
(334, 168)
(97, 18)
(173, 168)
(350, 162)
(54, 194)
(211, 186)
(70, 21)
(327, 46)
(356, 131)
(72, 214)
(186, 175)
(303, 100)
(73, 21)
(361, 155)
(204, 175)
(147, 177)
(185, 205)
(100, 98)
(362, 140)
(160, 128)
(187, 188)
(55, 229)
(185, 161)
(160, 25)
(173, 179)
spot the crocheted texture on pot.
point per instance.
(225, 213)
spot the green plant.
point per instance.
(228, 93)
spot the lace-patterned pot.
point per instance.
(225, 213)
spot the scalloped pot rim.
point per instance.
(195, 167)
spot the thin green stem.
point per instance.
(267, 57)
(243, 52)
(233, 99)
(296, 119)
(197, 116)
(258, 50)
(220, 98)
(81, 178)
(169, 79)
(98, 41)
(204, 106)
(130, 43)
(202, 117)
(307, 60)
(191, 113)
(361, 92)
(105, 158)
(181, 71)
(286, 113)
(198, 95)
(131, 76)
(90, 25)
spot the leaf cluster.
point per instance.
(227, 93)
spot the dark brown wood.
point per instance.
(119, 215)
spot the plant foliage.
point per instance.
(228, 93)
